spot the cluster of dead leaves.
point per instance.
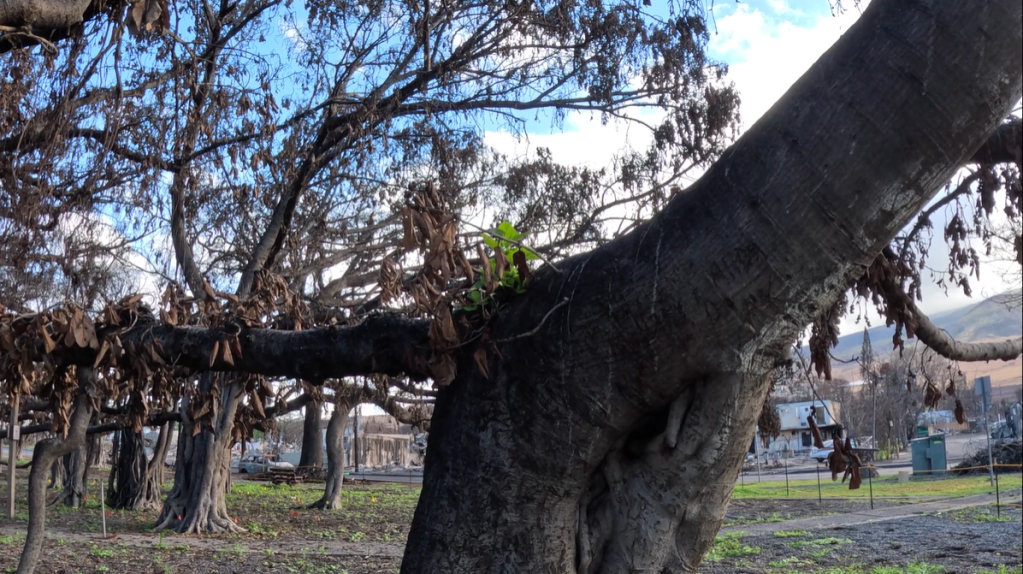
(881, 284)
(259, 391)
(430, 226)
(147, 16)
(933, 394)
(824, 336)
(28, 341)
(843, 460)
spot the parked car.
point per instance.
(821, 454)
(260, 463)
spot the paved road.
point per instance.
(411, 477)
(956, 448)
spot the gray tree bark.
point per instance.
(42, 13)
(202, 473)
(312, 431)
(331, 499)
(608, 441)
(46, 452)
(74, 464)
(135, 480)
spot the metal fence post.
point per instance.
(820, 497)
(870, 484)
(786, 480)
(998, 499)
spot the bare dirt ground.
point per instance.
(367, 535)
(968, 541)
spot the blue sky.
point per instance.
(768, 45)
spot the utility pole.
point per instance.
(982, 387)
(756, 448)
(13, 436)
(355, 441)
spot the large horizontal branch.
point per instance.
(46, 21)
(1004, 146)
(383, 344)
(159, 418)
(942, 343)
(154, 420)
(920, 325)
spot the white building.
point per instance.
(795, 434)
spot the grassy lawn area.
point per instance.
(368, 513)
(887, 486)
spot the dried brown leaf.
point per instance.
(408, 239)
(236, 346)
(257, 404)
(522, 266)
(960, 413)
(101, 354)
(48, 343)
(488, 274)
(814, 430)
(225, 353)
(480, 356)
(500, 263)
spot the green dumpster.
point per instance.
(929, 455)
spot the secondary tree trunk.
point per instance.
(95, 443)
(75, 464)
(625, 386)
(331, 499)
(57, 474)
(46, 452)
(312, 436)
(197, 503)
(134, 480)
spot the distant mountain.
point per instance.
(986, 320)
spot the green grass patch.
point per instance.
(730, 546)
(1004, 569)
(791, 533)
(817, 542)
(978, 514)
(887, 486)
(786, 567)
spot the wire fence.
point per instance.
(1002, 478)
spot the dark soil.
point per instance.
(759, 510)
(367, 536)
(967, 541)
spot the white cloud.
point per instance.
(292, 33)
(767, 50)
(767, 54)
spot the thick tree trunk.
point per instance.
(46, 452)
(626, 385)
(652, 503)
(331, 499)
(57, 474)
(312, 436)
(134, 481)
(127, 473)
(197, 503)
(158, 463)
(75, 465)
(95, 449)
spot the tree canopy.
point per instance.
(312, 186)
